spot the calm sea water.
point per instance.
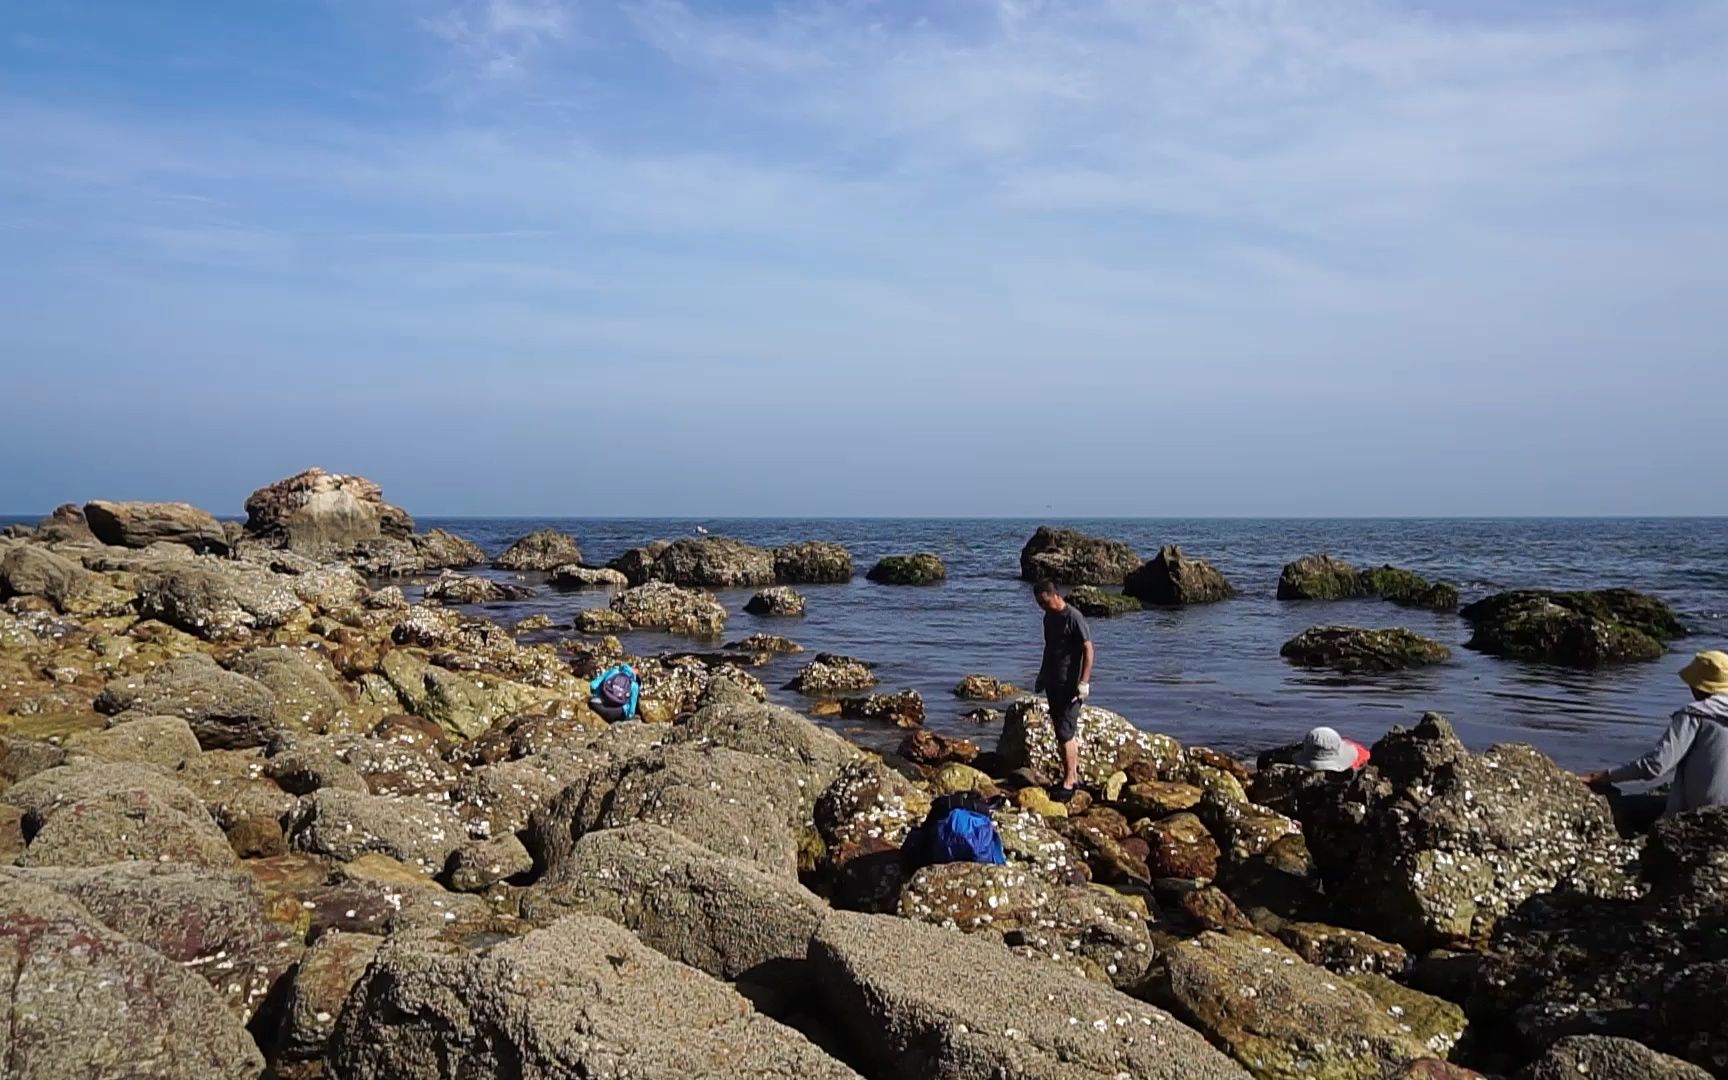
(1212, 674)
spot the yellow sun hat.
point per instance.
(1707, 673)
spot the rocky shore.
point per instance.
(261, 816)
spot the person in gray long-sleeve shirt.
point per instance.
(1694, 748)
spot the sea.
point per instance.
(1210, 674)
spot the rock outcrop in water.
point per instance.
(545, 550)
(1172, 579)
(1322, 577)
(1577, 629)
(812, 562)
(1071, 557)
(1352, 649)
(291, 822)
(1096, 603)
(920, 569)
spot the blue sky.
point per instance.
(954, 257)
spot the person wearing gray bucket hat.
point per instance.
(1324, 750)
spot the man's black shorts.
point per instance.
(1065, 714)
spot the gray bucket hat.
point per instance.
(1324, 750)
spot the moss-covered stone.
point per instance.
(1320, 577)
(1408, 589)
(1576, 629)
(920, 569)
(1353, 649)
(1096, 603)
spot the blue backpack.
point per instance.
(957, 829)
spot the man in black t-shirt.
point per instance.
(1065, 677)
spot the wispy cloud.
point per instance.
(500, 38)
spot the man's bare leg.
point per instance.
(1071, 763)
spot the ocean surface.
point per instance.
(1212, 674)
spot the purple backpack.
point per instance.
(615, 690)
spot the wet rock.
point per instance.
(902, 709)
(861, 821)
(1071, 557)
(920, 569)
(1180, 846)
(28, 570)
(1602, 1057)
(772, 644)
(602, 621)
(780, 600)
(830, 673)
(1430, 844)
(140, 524)
(225, 710)
(478, 866)
(726, 916)
(1320, 577)
(1341, 951)
(451, 588)
(90, 814)
(1277, 1014)
(164, 741)
(319, 990)
(571, 576)
(956, 777)
(669, 608)
(1090, 931)
(1008, 1017)
(737, 804)
(415, 554)
(580, 998)
(305, 698)
(1206, 908)
(1157, 799)
(1172, 579)
(216, 924)
(546, 549)
(316, 512)
(1243, 829)
(1577, 629)
(985, 688)
(1407, 589)
(708, 562)
(1352, 649)
(1109, 743)
(345, 825)
(86, 1001)
(1438, 1024)
(1096, 603)
(217, 603)
(812, 562)
(925, 747)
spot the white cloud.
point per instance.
(500, 38)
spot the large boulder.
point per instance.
(770, 731)
(922, 568)
(91, 814)
(1109, 743)
(1096, 603)
(453, 588)
(317, 512)
(217, 601)
(305, 697)
(319, 991)
(346, 825)
(917, 1000)
(588, 577)
(216, 924)
(1320, 577)
(226, 710)
(1172, 579)
(706, 562)
(1653, 968)
(546, 549)
(812, 562)
(164, 741)
(583, 997)
(1090, 930)
(29, 570)
(736, 804)
(781, 600)
(985, 688)
(1430, 844)
(1352, 649)
(84, 1001)
(140, 524)
(725, 916)
(904, 708)
(1279, 1016)
(1603, 1057)
(417, 553)
(671, 609)
(66, 525)
(1577, 629)
(1071, 557)
(1406, 588)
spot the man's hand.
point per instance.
(1085, 690)
(1595, 781)
(1038, 687)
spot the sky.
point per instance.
(949, 257)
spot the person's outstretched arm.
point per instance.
(1086, 656)
(1664, 756)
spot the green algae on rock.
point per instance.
(1353, 649)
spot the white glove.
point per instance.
(1085, 690)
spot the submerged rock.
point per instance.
(546, 549)
(772, 644)
(1408, 589)
(903, 709)
(1320, 577)
(985, 688)
(465, 589)
(1071, 557)
(140, 524)
(831, 673)
(812, 562)
(588, 577)
(920, 569)
(1172, 579)
(583, 997)
(780, 600)
(1577, 629)
(1096, 603)
(924, 747)
(1353, 649)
